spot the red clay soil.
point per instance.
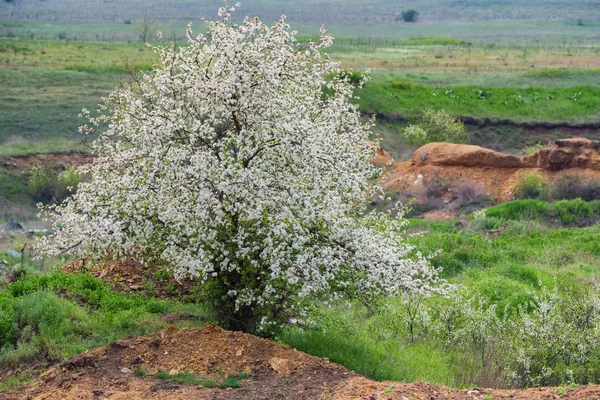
(496, 172)
(132, 276)
(275, 372)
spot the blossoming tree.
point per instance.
(239, 161)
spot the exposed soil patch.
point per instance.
(497, 172)
(59, 159)
(275, 372)
(133, 276)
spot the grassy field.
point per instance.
(45, 85)
(504, 280)
(573, 104)
(47, 82)
(494, 21)
(488, 32)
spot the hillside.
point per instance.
(192, 363)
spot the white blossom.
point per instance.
(235, 161)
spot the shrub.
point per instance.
(42, 183)
(567, 187)
(573, 186)
(573, 212)
(531, 186)
(576, 212)
(401, 84)
(590, 190)
(544, 337)
(416, 135)
(48, 186)
(520, 210)
(438, 186)
(47, 320)
(232, 167)
(356, 78)
(409, 15)
(530, 150)
(436, 126)
(470, 191)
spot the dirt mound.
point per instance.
(463, 155)
(132, 276)
(273, 372)
(55, 159)
(497, 172)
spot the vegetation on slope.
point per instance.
(51, 317)
(521, 291)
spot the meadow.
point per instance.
(519, 72)
(47, 82)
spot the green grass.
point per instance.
(559, 213)
(432, 41)
(15, 198)
(344, 337)
(547, 78)
(40, 107)
(61, 315)
(187, 378)
(507, 272)
(18, 146)
(61, 54)
(15, 382)
(14, 187)
(77, 31)
(575, 104)
(49, 82)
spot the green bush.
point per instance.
(408, 15)
(49, 323)
(575, 212)
(47, 185)
(436, 126)
(353, 76)
(520, 210)
(531, 186)
(8, 320)
(530, 150)
(42, 183)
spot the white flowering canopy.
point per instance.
(239, 161)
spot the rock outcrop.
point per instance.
(495, 171)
